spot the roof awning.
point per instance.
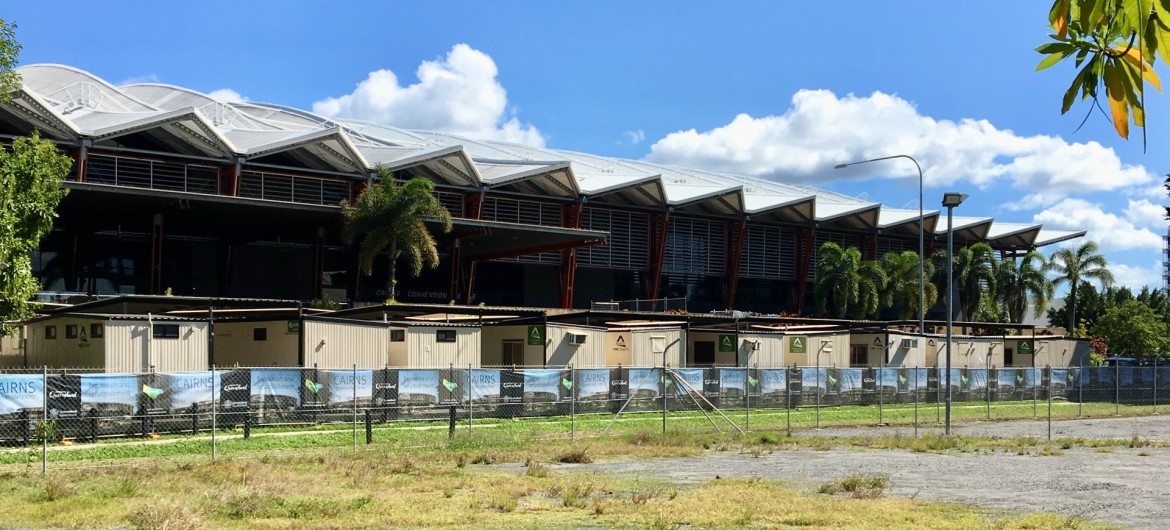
(484, 240)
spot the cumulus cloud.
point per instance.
(1136, 277)
(820, 130)
(635, 137)
(458, 94)
(227, 95)
(1112, 233)
(1146, 213)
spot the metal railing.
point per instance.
(293, 188)
(152, 174)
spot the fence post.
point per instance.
(1155, 386)
(1117, 389)
(355, 408)
(788, 400)
(662, 384)
(572, 404)
(916, 402)
(247, 426)
(747, 400)
(451, 421)
(880, 388)
(214, 406)
(44, 420)
(1049, 368)
(1081, 374)
(1035, 413)
(468, 384)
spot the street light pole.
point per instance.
(921, 232)
(950, 201)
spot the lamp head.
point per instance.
(840, 166)
(951, 200)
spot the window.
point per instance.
(859, 355)
(166, 331)
(95, 331)
(445, 335)
(1007, 357)
(50, 332)
(259, 333)
(398, 335)
(71, 331)
(512, 352)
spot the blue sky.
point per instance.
(779, 90)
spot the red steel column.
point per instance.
(659, 227)
(735, 235)
(804, 248)
(571, 219)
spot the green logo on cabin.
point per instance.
(294, 326)
(535, 335)
(798, 344)
(727, 344)
(1027, 347)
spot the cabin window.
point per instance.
(512, 353)
(95, 331)
(445, 335)
(259, 333)
(166, 331)
(71, 331)
(50, 332)
(398, 335)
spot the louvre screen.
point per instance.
(768, 253)
(629, 240)
(695, 246)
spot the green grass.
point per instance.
(689, 430)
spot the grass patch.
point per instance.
(857, 486)
(575, 455)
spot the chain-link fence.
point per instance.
(64, 418)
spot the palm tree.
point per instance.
(975, 275)
(1077, 267)
(389, 216)
(902, 288)
(837, 278)
(871, 289)
(1019, 279)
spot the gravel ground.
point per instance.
(1125, 487)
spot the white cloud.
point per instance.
(457, 94)
(227, 95)
(1111, 232)
(821, 130)
(1136, 277)
(635, 137)
(1146, 213)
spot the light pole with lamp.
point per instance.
(950, 201)
(921, 231)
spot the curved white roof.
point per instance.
(70, 105)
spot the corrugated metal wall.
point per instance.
(588, 355)
(427, 352)
(822, 343)
(63, 351)
(130, 347)
(642, 350)
(906, 356)
(763, 350)
(12, 350)
(235, 344)
(335, 345)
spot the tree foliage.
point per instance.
(9, 52)
(1114, 45)
(1076, 267)
(31, 173)
(1020, 281)
(902, 287)
(1133, 329)
(391, 217)
(838, 275)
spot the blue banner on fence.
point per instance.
(21, 392)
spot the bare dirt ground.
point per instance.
(1121, 486)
